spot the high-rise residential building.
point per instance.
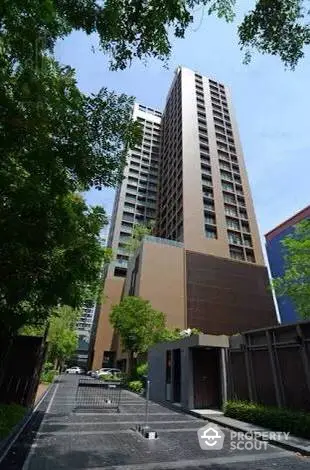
(204, 267)
(276, 257)
(84, 329)
(136, 198)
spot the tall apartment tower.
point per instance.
(204, 267)
(204, 194)
(136, 198)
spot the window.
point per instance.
(224, 165)
(203, 139)
(120, 272)
(208, 193)
(250, 255)
(245, 227)
(226, 175)
(236, 253)
(229, 198)
(210, 232)
(206, 168)
(129, 205)
(230, 210)
(209, 219)
(228, 186)
(234, 238)
(247, 240)
(243, 213)
(232, 223)
(241, 201)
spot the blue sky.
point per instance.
(272, 106)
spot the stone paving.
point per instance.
(104, 440)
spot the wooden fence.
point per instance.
(271, 366)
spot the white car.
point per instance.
(103, 371)
(74, 370)
(111, 371)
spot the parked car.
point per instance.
(111, 371)
(74, 370)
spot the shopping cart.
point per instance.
(98, 394)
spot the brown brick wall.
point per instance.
(226, 297)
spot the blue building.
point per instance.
(276, 255)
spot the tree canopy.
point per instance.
(295, 283)
(135, 29)
(139, 231)
(55, 142)
(62, 335)
(137, 323)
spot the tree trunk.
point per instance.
(131, 363)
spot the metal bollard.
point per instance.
(147, 397)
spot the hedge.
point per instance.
(277, 419)
(10, 415)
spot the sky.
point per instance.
(272, 106)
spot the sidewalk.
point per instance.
(293, 443)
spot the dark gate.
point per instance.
(206, 375)
(21, 369)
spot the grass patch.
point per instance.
(276, 419)
(10, 415)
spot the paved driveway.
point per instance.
(96, 440)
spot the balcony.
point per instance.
(129, 209)
(164, 241)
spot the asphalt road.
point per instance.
(63, 437)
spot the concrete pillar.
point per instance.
(304, 356)
(224, 361)
(274, 370)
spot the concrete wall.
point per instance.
(161, 281)
(157, 374)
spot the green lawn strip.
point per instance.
(277, 419)
(10, 415)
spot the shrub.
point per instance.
(48, 376)
(111, 377)
(135, 386)
(277, 419)
(10, 415)
(142, 369)
(106, 377)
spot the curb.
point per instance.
(283, 445)
(10, 440)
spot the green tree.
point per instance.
(138, 233)
(57, 264)
(138, 325)
(295, 282)
(62, 335)
(131, 29)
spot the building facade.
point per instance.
(204, 265)
(276, 259)
(136, 198)
(84, 329)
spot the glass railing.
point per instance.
(164, 241)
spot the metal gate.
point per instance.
(94, 394)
